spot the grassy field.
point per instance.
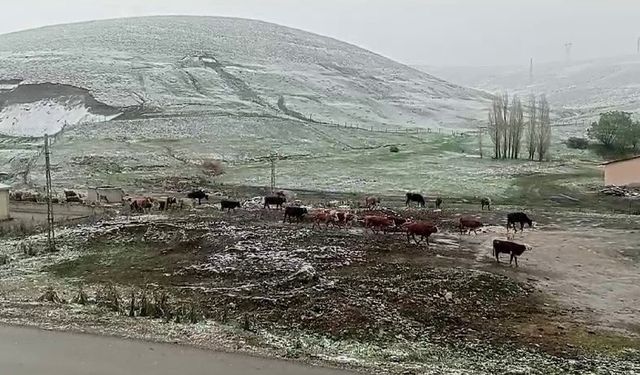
(144, 153)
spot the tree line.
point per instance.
(510, 121)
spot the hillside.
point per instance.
(175, 66)
(578, 90)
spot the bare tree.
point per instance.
(496, 125)
(516, 124)
(532, 128)
(544, 132)
(505, 125)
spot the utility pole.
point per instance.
(272, 158)
(638, 46)
(480, 135)
(567, 49)
(51, 234)
(531, 70)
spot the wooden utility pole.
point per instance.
(272, 159)
(480, 135)
(51, 234)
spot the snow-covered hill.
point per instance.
(578, 90)
(173, 66)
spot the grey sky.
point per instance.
(432, 32)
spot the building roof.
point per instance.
(4, 187)
(621, 160)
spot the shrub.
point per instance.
(213, 167)
(577, 143)
(394, 149)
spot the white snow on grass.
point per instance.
(226, 65)
(44, 117)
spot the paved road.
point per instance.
(26, 351)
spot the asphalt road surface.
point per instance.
(26, 351)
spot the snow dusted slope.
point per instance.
(34, 110)
(44, 117)
(577, 90)
(173, 66)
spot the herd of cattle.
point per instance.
(339, 217)
(416, 231)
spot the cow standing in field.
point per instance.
(486, 202)
(469, 224)
(371, 202)
(229, 205)
(322, 217)
(342, 218)
(198, 195)
(508, 247)
(274, 200)
(438, 203)
(293, 212)
(141, 205)
(415, 197)
(420, 228)
(518, 217)
(171, 201)
(378, 223)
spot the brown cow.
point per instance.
(343, 218)
(378, 223)
(321, 217)
(141, 204)
(469, 224)
(424, 229)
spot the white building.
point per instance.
(105, 194)
(4, 202)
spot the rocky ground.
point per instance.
(245, 281)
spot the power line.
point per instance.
(51, 234)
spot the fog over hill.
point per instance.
(577, 90)
(182, 66)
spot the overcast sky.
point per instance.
(430, 32)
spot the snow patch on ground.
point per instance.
(45, 117)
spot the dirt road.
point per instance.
(25, 351)
(595, 273)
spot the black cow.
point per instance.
(415, 197)
(199, 195)
(438, 203)
(508, 247)
(486, 202)
(518, 217)
(277, 201)
(294, 212)
(69, 194)
(229, 205)
(171, 201)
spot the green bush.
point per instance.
(394, 149)
(577, 143)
